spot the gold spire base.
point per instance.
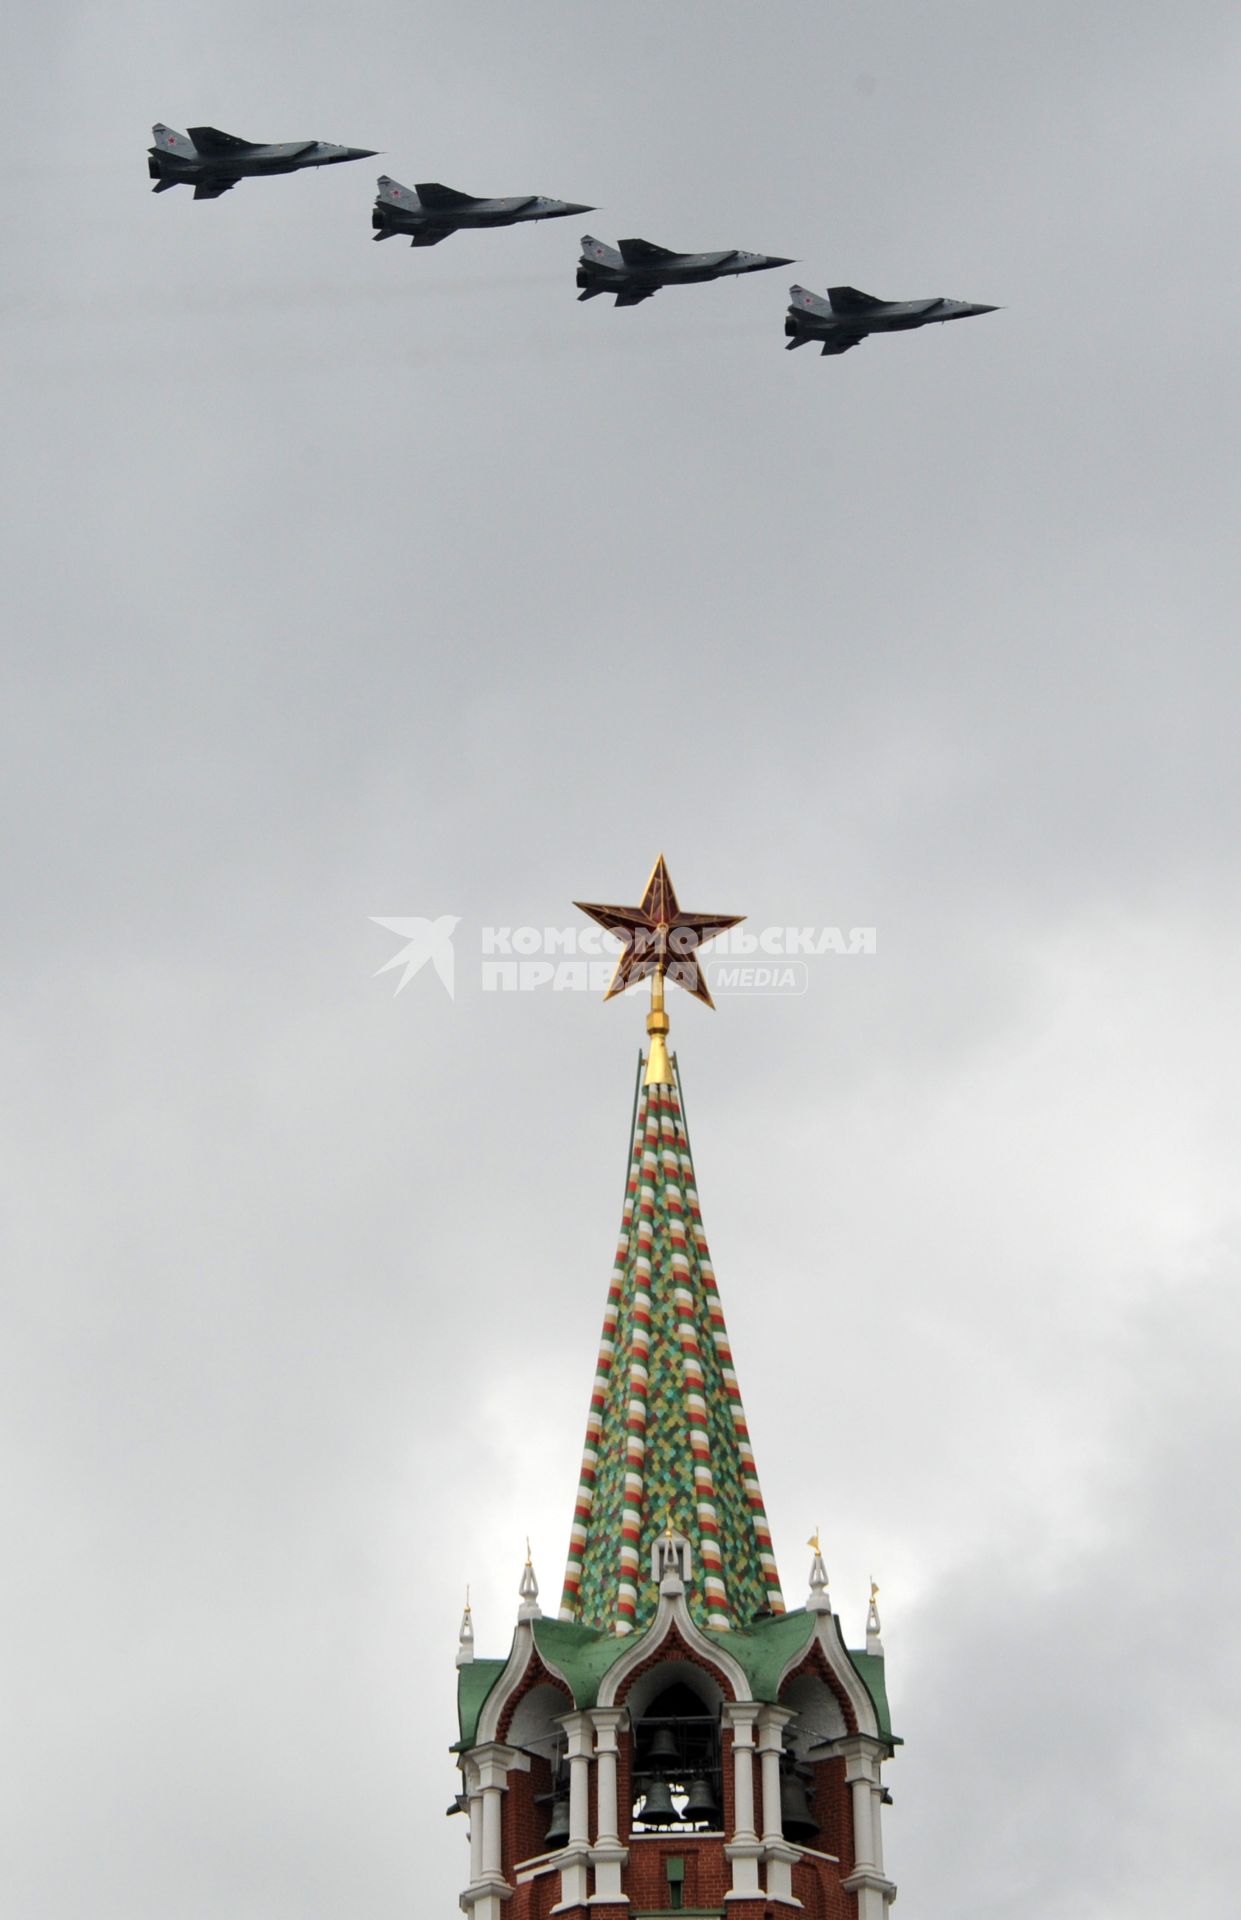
(658, 1064)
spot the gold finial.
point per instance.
(467, 1600)
(529, 1557)
(814, 1541)
(669, 1529)
(662, 941)
(658, 1065)
(874, 1588)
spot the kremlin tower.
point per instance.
(677, 1741)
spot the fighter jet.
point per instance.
(640, 268)
(428, 213)
(847, 316)
(211, 162)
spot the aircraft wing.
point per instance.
(432, 194)
(630, 296)
(212, 188)
(644, 253)
(842, 345)
(211, 140)
(849, 300)
(430, 236)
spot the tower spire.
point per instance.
(667, 1446)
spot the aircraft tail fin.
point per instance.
(393, 194)
(594, 253)
(168, 140)
(807, 302)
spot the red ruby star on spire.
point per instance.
(659, 938)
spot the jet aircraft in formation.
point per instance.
(847, 316)
(428, 213)
(212, 162)
(635, 269)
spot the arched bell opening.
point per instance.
(676, 1778)
(813, 1797)
(537, 1802)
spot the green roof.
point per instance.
(585, 1654)
(870, 1672)
(765, 1647)
(582, 1654)
(474, 1682)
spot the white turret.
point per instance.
(529, 1592)
(873, 1643)
(819, 1600)
(465, 1639)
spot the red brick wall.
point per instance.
(708, 1875)
(833, 1809)
(523, 1827)
(816, 1883)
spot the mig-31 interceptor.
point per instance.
(428, 213)
(847, 316)
(635, 269)
(211, 162)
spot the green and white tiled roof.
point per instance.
(666, 1441)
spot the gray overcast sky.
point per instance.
(346, 581)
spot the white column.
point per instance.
(475, 1796)
(575, 1869)
(744, 1849)
(875, 1892)
(777, 1852)
(488, 1890)
(607, 1855)
(770, 1747)
(493, 1852)
(863, 1826)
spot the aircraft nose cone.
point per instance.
(362, 153)
(774, 260)
(572, 206)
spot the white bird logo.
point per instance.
(425, 940)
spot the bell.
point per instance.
(557, 1834)
(796, 1818)
(662, 1751)
(701, 1804)
(657, 1808)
